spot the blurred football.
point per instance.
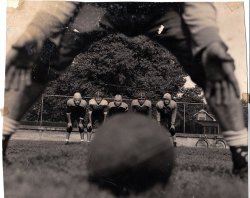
(130, 153)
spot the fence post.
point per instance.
(41, 118)
(184, 118)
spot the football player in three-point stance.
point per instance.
(76, 110)
(166, 114)
(142, 105)
(98, 110)
(117, 106)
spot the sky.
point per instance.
(232, 29)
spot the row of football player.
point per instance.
(99, 109)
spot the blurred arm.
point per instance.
(48, 23)
(209, 49)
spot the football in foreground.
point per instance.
(130, 154)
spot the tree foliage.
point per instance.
(119, 64)
(190, 95)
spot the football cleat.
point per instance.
(240, 161)
(66, 142)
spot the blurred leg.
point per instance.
(77, 38)
(16, 104)
(176, 38)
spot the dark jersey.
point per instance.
(167, 113)
(76, 111)
(98, 110)
(144, 109)
(113, 109)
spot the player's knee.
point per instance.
(81, 129)
(172, 132)
(69, 129)
(89, 128)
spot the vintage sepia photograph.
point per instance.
(136, 99)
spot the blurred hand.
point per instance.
(20, 59)
(219, 69)
(49, 21)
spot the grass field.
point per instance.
(53, 170)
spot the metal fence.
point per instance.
(52, 108)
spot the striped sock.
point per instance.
(236, 138)
(9, 126)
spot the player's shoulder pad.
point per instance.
(70, 102)
(104, 102)
(124, 105)
(83, 103)
(134, 102)
(173, 104)
(92, 102)
(159, 104)
(111, 104)
(148, 103)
